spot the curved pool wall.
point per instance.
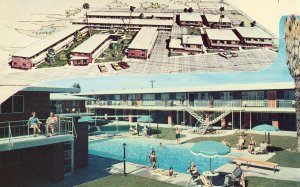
(108, 129)
(176, 156)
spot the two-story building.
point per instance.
(241, 105)
(89, 50)
(222, 39)
(133, 15)
(143, 43)
(253, 37)
(191, 44)
(36, 53)
(217, 21)
(190, 19)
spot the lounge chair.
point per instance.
(262, 149)
(95, 130)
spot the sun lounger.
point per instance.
(248, 161)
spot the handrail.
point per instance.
(13, 129)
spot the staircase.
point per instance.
(212, 118)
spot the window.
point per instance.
(73, 103)
(258, 95)
(226, 95)
(262, 117)
(148, 97)
(203, 96)
(165, 97)
(117, 97)
(14, 104)
(18, 103)
(180, 96)
(289, 94)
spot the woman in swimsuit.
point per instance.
(153, 159)
(251, 145)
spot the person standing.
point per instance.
(138, 128)
(34, 123)
(51, 123)
(177, 135)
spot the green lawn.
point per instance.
(280, 144)
(194, 31)
(166, 133)
(265, 182)
(61, 58)
(129, 180)
(286, 158)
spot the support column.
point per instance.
(170, 120)
(177, 118)
(130, 119)
(232, 119)
(275, 120)
(250, 120)
(240, 120)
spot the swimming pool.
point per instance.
(168, 156)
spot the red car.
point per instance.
(123, 64)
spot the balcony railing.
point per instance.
(10, 130)
(200, 103)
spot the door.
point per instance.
(191, 99)
(272, 99)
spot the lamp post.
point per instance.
(157, 130)
(124, 151)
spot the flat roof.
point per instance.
(134, 14)
(144, 39)
(175, 43)
(68, 97)
(91, 44)
(221, 34)
(112, 21)
(190, 17)
(43, 44)
(216, 18)
(210, 88)
(253, 32)
(192, 39)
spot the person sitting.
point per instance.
(225, 142)
(169, 172)
(131, 130)
(236, 174)
(251, 145)
(34, 123)
(153, 159)
(51, 124)
(195, 175)
(240, 143)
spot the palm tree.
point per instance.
(222, 9)
(253, 23)
(292, 42)
(86, 6)
(131, 8)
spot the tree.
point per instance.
(190, 10)
(185, 10)
(50, 55)
(131, 9)
(77, 36)
(292, 42)
(142, 16)
(242, 24)
(86, 6)
(253, 23)
(222, 9)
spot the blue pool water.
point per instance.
(168, 156)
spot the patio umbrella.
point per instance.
(265, 128)
(210, 149)
(145, 119)
(88, 119)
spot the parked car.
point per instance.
(116, 66)
(228, 54)
(123, 64)
(102, 68)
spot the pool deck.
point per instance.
(182, 179)
(100, 167)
